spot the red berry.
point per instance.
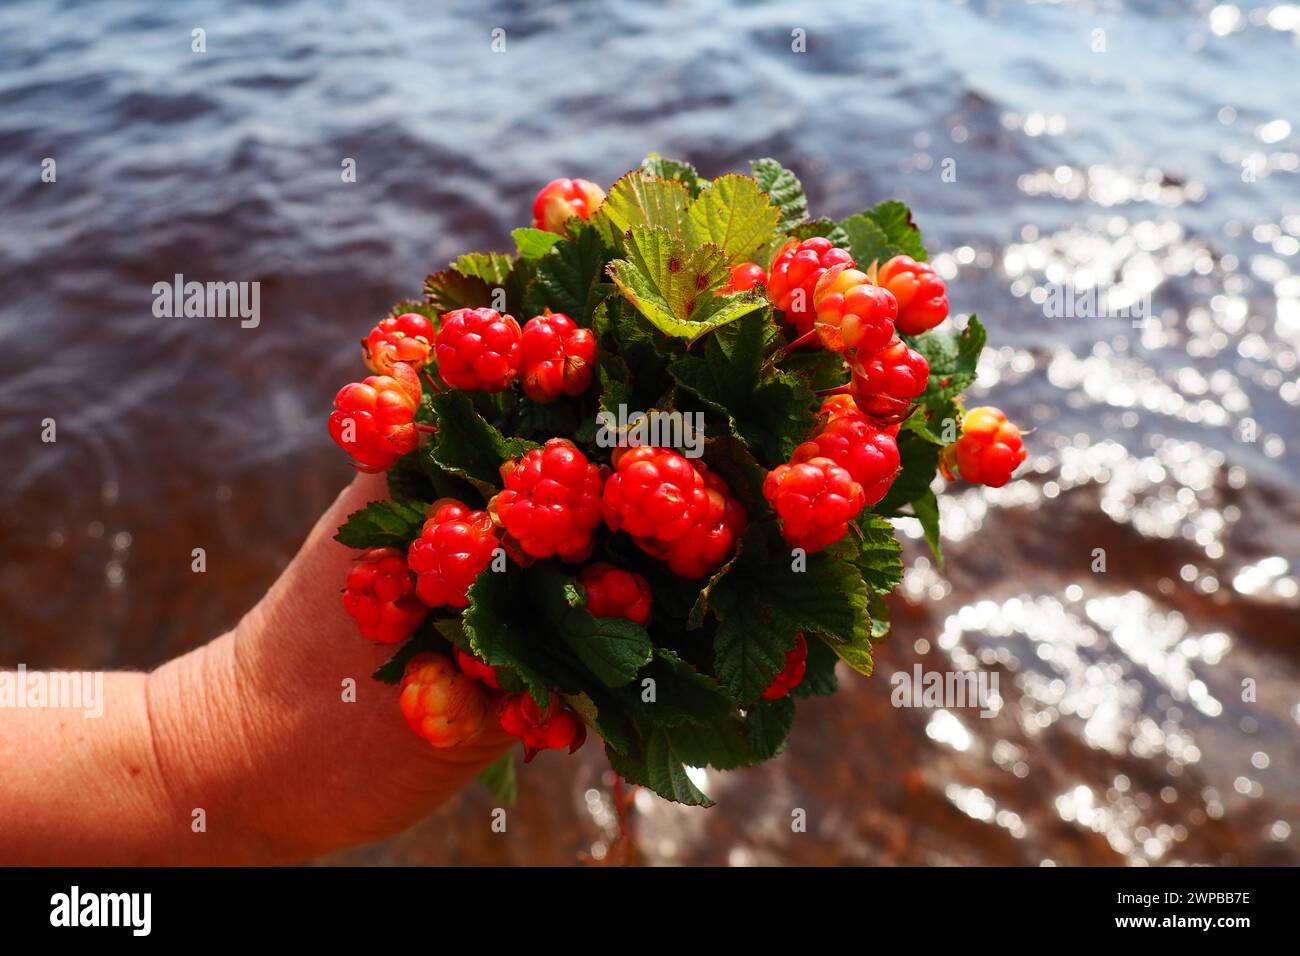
(796, 664)
(866, 451)
(380, 597)
(551, 502)
(374, 420)
(796, 270)
(478, 350)
(885, 383)
(853, 316)
(654, 494)
(551, 728)
(555, 357)
(404, 338)
(613, 592)
(815, 499)
(440, 703)
(454, 546)
(839, 406)
(708, 545)
(561, 199)
(922, 298)
(990, 447)
(744, 277)
(478, 670)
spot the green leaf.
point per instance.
(734, 215)
(828, 228)
(660, 769)
(467, 445)
(682, 695)
(953, 361)
(499, 779)
(878, 234)
(684, 173)
(784, 189)
(492, 267)
(920, 463)
(496, 634)
(819, 678)
(613, 648)
(600, 711)
(449, 290)
(407, 479)
(383, 524)
(639, 200)
(749, 649)
(568, 279)
(857, 654)
(879, 557)
(534, 243)
(770, 723)
(926, 510)
(427, 638)
(675, 288)
(879, 608)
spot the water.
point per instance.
(1163, 164)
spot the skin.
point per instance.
(252, 728)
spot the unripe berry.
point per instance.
(922, 298)
(654, 493)
(885, 383)
(853, 316)
(815, 499)
(552, 501)
(556, 357)
(455, 545)
(540, 728)
(562, 199)
(796, 270)
(380, 597)
(478, 350)
(990, 448)
(866, 451)
(404, 338)
(440, 703)
(613, 592)
(796, 665)
(478, 670)
(374, 420)
(744, 277)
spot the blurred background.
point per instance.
(1146, 148)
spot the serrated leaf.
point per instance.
(880, 556)
(682, 695)
(784, 189)
(383, 524)
(883, 232)
(675, 288)
(497, 636)
(735, 215)
(568, 279)
(880, 618)
(427, 638)
(612, 648)
(828, 228)
(926, 510)
(407, 480)
(500, 780)
(639, 200)
(449, 290)
(684, 173)
(492, 267)
(722, 744)
(769, 724)
(857, 654)
(919, 464)
(660, 770)
(749, 649)
(819, 677)
(953, 361)
(534, 243)
(467, 445)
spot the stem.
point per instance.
(789, 347)
(428, 379)
(431, 429)
(838, 390)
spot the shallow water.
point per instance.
(1164, 165)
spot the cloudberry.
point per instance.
(796, 664)
(866, 451)
(854, 316)
(710, 542)
(556, 357)
(440, 703)
(990, 448)
(403, 338)
(654, 493)
(380, 597)
(613, 592)
(374, 420)
(744, 277)
(815, 499)
(552, 501)
(885, 383)
(540, 728)
(562, 199)
(796, 270)
(478, 349)
(922, 298)
(455, 545)
(478, 670)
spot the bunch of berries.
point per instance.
(866, 450)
